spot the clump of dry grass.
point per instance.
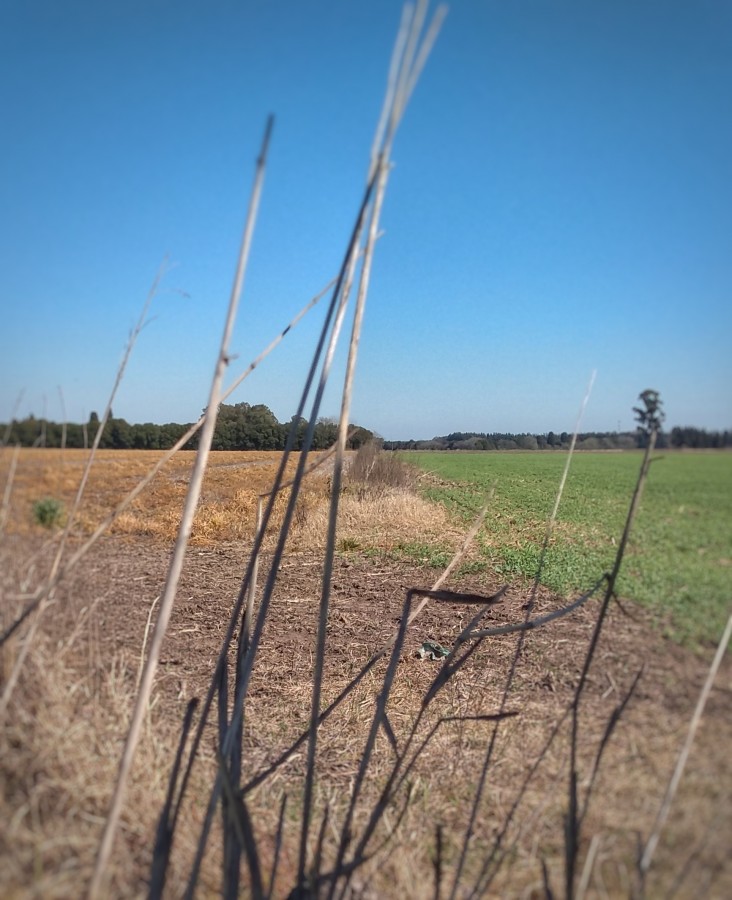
(379, 508)
(378, 521)
(374, 470)
(58, 756)
(59, 753)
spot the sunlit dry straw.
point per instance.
(141, 322)
(9, 481)
(179, 550)
(144, 642)
(13, 414)
(246, 655)
(248, 648)
(397, 97)
(573, 822)
(568, 462)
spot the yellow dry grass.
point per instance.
(228, 507)
(377, 520)
(227, 510)
(60, 750)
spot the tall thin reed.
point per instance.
(481, 784)
(142, 484)
(650, 418)
(46, 595)
(176, 565)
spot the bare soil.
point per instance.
(113, 591)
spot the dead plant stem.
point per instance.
(189, 509)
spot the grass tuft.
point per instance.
(48, 512)
(375, 470)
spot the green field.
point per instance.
(680, 554)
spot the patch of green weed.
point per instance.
(347, 544)
(48, 512)
(424, 554)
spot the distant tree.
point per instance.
(117, 435)
(527, 442)
(589, 443)
(300, 424)
(649, 416)
(325, 433)
(360, 437)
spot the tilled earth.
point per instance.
(113, 594)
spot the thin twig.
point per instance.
(46, 595)
(668, 798)
(252, 590)
(9, 426)
(256, 780)
(609, 729)
(144, 643)
(588, 866)
(189, 509)
(532, 624)
(164, 836)
(9, 482)
(127, 501)
(573, 823)
(518, 652)
(245, 662)
(277, 845)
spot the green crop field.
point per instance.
(680, 554)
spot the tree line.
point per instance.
(679, 437)
(240, 426)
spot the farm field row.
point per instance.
(680, 555)
(679, 560)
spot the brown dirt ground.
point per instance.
(56, 790)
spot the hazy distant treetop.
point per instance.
(651, 415)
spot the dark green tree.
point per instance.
(649, 416)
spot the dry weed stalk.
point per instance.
(354, 837)
(486, 873)
(8, 491)
(267, 495)
(650, 418)
(45, 595)
(42, 592)
(179, 550)
(230, 729)
(13, 414)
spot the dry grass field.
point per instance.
(228, 507)
(63, 729)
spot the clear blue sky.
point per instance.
(561, 201)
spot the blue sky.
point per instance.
(561, 201)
